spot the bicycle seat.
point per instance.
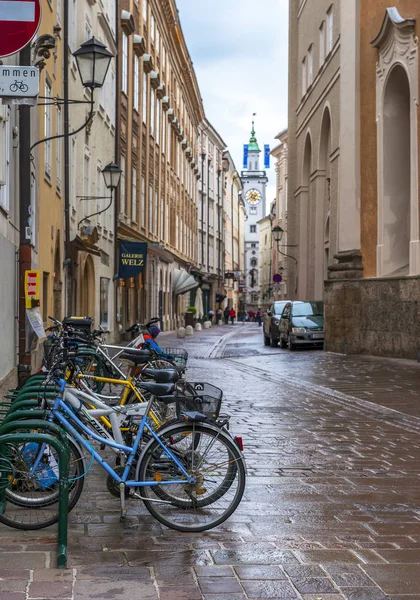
(161, 375)
(158, 389)
(135, 357)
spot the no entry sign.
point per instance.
(19, 22)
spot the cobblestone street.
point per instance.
(332, 505)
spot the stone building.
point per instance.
(159, 112)
(234, 219)
(265, 262)
(210, 240)
(374, 306)
(92, 205)
(279, 218)
(323, 200)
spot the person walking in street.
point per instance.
(226, 315)
(259, 317)
(232, 315)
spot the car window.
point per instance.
(286, 310)
(278, 307)
(308, 309)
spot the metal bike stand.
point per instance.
(62, 447)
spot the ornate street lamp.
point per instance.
(277, 234)
(112, 175)
(93, 60)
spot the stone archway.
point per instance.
(305, 229)
(397, 83)
(323, 200)
(396, 174)
(87, 292)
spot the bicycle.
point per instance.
(190, 476)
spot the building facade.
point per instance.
(92, 206)
(234, 218)
(210, 217)
(254, 183)
(265, 262)
(159, 112)
(374, 309)
(279, 219)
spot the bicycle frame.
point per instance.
(65, 416)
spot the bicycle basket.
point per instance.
(179, 356)
(199, 397)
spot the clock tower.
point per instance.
(254, 184)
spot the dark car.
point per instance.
(271, 323)
(302, 324)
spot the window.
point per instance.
(322, 44)
(144, 11)
(157, 122)
(150, 208)
(47, 131)
(45, 311)
(136, 83)
(134, 196)
(304, 76)
(88, 30)
(310, 65)
(122, 186)
(253, 229)
(152, 29)
(253, 245)
(59, 149)
(330, 32)
(124, 72)
(253, 262)
(86, 176)
(143, 201)
(5, 135)
(252, 210)
(152, 113)
(144, 97)
(103, 300)
(73, 26)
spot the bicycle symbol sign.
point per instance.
(19, 82)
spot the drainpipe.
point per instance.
(203, 156)
(117, 160)
(25, 250)
(208, 215)
(67, 247)
(219, 228)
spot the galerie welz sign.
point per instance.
(132, 259)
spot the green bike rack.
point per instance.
(62, 447)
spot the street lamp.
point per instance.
(277, 234)
(93, 60)
(112, 175)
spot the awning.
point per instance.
(182, 282)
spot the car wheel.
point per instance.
(290, 345)
(283, 343)
(266, 340)
(274, 342)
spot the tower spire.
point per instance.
(253, 144)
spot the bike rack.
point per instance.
(62, 447)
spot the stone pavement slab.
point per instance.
(331, 508)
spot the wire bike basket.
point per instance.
(179, 356)
(199, 397)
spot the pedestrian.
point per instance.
(259, 317)
(219, 314)
(226, 315)
(211, 315)
(232, 315)
(251, 315)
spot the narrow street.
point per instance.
(331, 509)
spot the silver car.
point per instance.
(271, 323)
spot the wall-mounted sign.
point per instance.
(132, 259)
(277, 278)
(32, 285)
(19, 22)
(18, 81)
(245, 164)
(266, 156)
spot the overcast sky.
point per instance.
(240, 51)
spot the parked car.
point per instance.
(302, 324)
(271, 323)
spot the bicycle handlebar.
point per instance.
(138, 326)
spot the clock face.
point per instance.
(253, 197)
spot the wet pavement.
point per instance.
(332, 505)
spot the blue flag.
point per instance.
(266, 156)
(245, 156)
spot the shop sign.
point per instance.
(132, 259)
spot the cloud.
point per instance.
(240, 53)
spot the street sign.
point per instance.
(277, 278)
(17, 81)
(19, 22)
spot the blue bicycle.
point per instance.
(189, 475)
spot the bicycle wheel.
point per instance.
(215, 462)
(32, 500)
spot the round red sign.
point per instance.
(19, 22)
(277, 278)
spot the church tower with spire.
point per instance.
(254, 182)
